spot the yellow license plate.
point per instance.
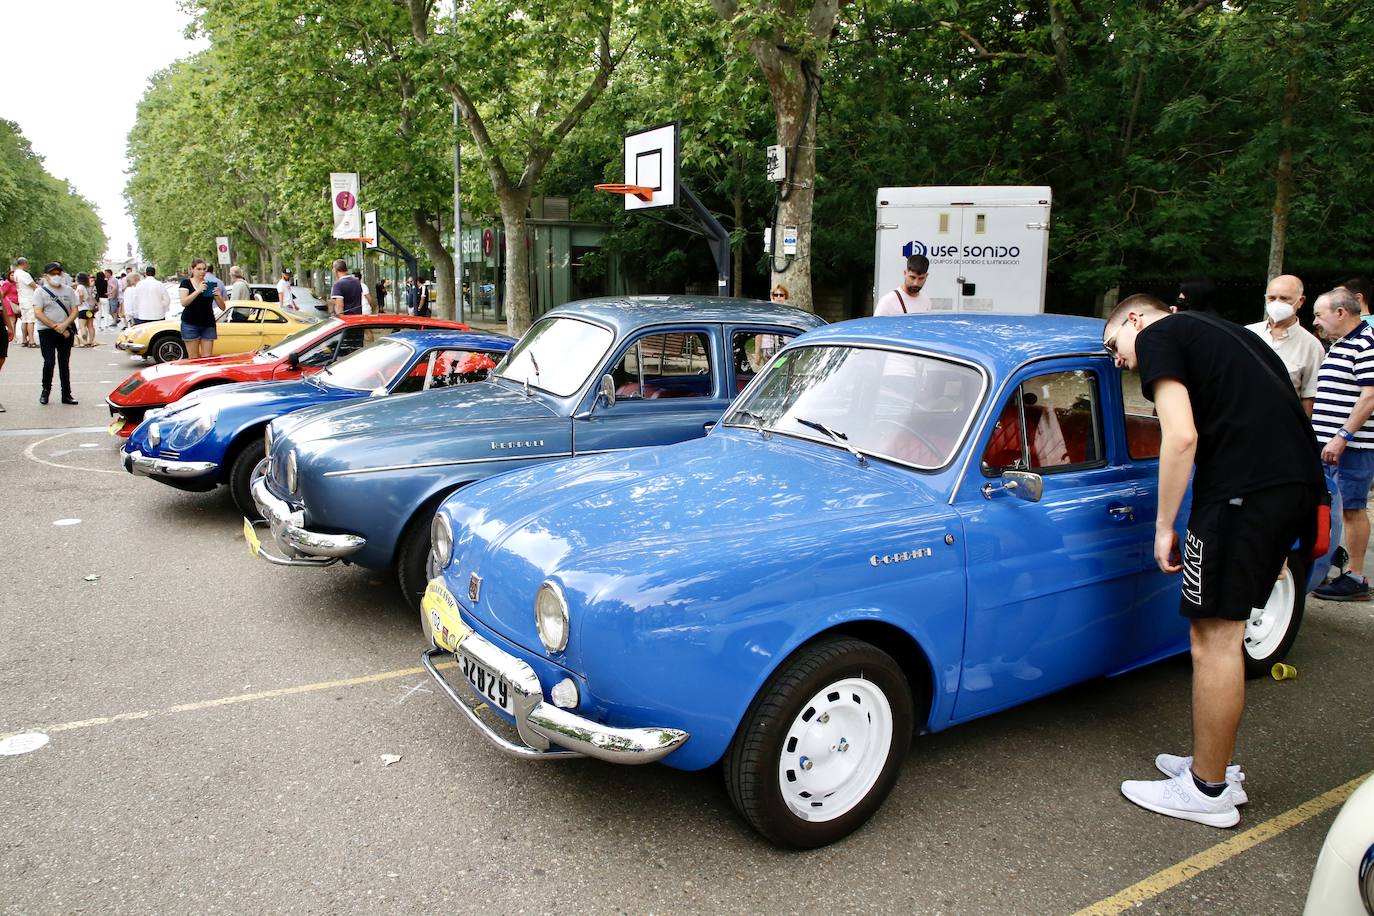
(251, 536)
(441, 612)
(116, 425)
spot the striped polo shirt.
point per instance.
(1346, 371)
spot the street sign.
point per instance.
(789, 240)
(488, 242)
(343, 194)
(222, 249)
(370, 228)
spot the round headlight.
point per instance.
(440, 542)
(291, 480)
(551, 617)
(185, 434)
(154, 435)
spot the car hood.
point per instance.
(667, 527)
(272, 397)
(188, 366)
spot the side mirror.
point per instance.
(607, 390)
(293, 360)
(1024, 485)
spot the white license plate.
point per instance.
(488, 684)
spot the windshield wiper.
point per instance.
(535, 363)
(758, 420)
(836, 436)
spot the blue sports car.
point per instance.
(903, 524)
(216, 436)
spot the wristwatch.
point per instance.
(1345, 434)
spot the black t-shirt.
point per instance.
(102, 286)
(201, 311)
(1248, 436)
(350, 290)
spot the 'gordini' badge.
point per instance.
(474, 587)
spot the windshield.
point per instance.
(369, 368)
(556, 355)
(901, 406)
(313, 326)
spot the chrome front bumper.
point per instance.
(300, 547)
(136, 462)
(130, 347)
(540, 724)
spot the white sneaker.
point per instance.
(1178, 797)
(1173, 765)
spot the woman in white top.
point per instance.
(85, 310)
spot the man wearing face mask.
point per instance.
(1301, 352)
(909, 299)
(54, 305)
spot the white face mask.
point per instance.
(55, 280)
(1278, 311)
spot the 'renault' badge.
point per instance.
(474, 587)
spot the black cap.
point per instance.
(150, 271)
(52, 265)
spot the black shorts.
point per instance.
(85, 313)
(1234, 550)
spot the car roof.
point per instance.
(629, 312)
(998, 342)
(411, 321)
(467, 340)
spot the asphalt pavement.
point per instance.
(230, 736)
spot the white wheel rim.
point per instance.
(1269, 624)
(835, 750)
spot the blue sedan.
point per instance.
(216, 436)
(903, 524)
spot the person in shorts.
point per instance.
(199, 297)
(25, 287)
(1341, 420)
(1229, 415)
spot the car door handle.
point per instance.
(1121, 511)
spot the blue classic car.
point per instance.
(216, 436)
(361, 482)
(903, 524)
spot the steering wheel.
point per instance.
(907, 444)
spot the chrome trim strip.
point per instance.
(443, 464)
(605, 451)
(963, 472)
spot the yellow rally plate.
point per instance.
(251, 537)
(116, 425)
(441, 614)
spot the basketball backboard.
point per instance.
(651, 161)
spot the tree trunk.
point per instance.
(443, 265)
(519, 314)
(791, 106)
(1283, 179)
(737, 256)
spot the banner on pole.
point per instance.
(370, 228)
(222, 248)
(343, 194)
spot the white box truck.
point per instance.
(988, 246)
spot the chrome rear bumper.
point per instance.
(301, 546)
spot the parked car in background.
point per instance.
(1343, 879)
(241, 328)
(313, 347)
(903, 524)
(216, 437)
(362, 481)
(304, 299)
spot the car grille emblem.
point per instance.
(474, 587)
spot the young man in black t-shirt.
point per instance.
(1223, 406)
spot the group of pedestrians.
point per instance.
(1251, 415)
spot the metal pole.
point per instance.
(457, 204)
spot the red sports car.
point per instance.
(309, 350)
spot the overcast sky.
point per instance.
(105, 51)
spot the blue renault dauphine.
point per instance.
(216, 436)
(361, 482)
(903, 523)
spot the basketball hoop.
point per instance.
(638, 190)
(359, 238)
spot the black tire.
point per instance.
(167, 348)
(241, 476)
(752, 763)
(1262, 647)
(412, 559)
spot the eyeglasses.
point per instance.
(780, 295)
(1110, 342)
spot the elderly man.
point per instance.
(148, 300)
(1255, 492)
(1342, 422)
(1301, 352)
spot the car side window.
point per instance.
(266, 293)
(1143, 435)
(750, 351)
(240, 314)
(353, 339)
(323, 353)
(1049, 423)
(672, 365)
(444, 368)
(267, 316)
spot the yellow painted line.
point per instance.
(229, 701)
(1193, 866)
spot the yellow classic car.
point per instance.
(242, 327)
